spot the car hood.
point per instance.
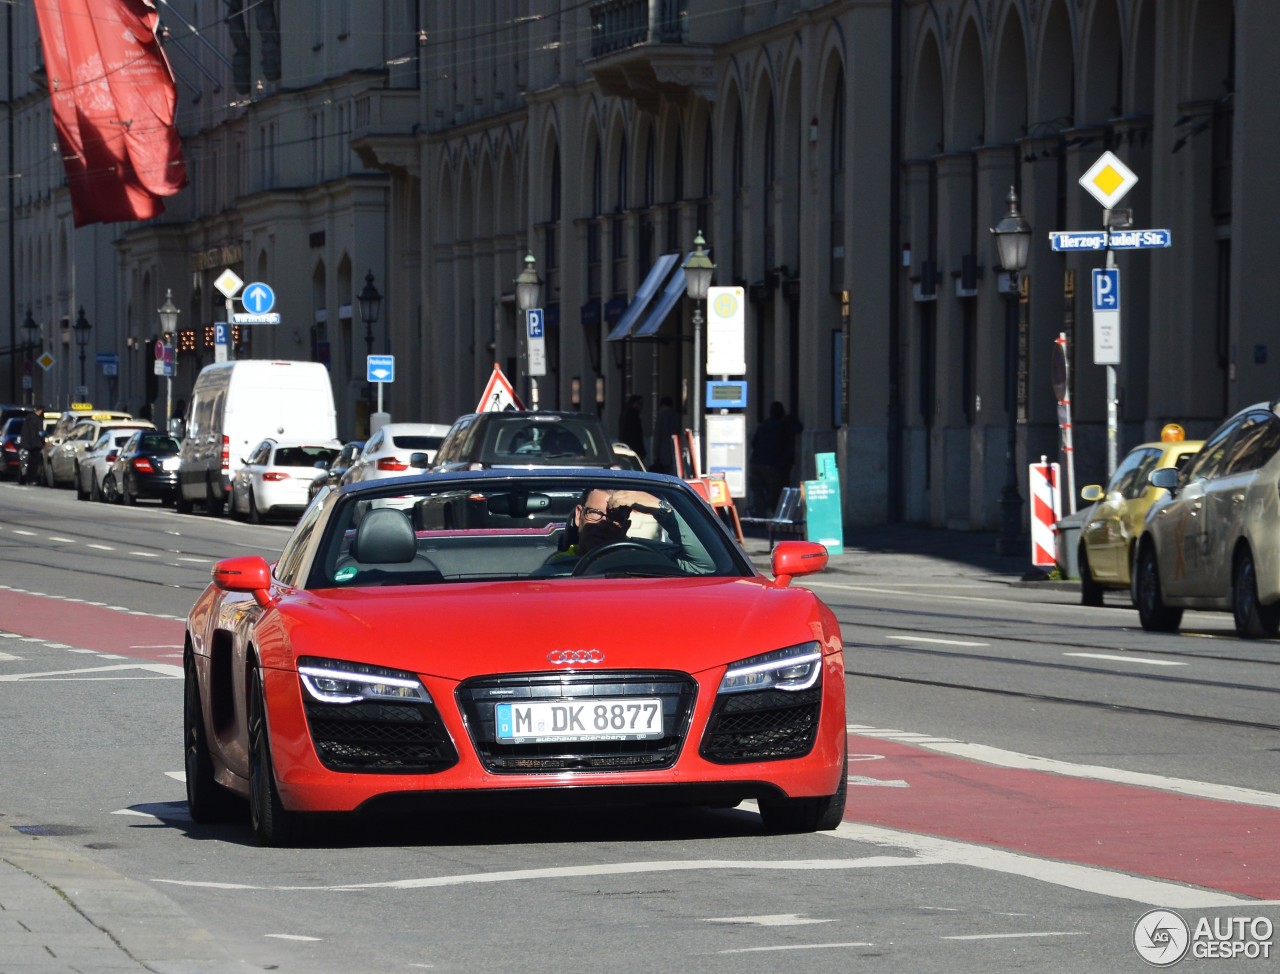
(459, 630)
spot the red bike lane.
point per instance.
(1219, 845)
(83, 626)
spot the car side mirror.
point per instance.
(1166, 477)
(419, 461)
(792, 558)
(1091, 493)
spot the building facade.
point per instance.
(843, 160)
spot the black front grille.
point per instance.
(767, 725)
(478, 699)
(380, 738)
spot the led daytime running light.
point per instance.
(360, 686)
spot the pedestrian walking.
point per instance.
(30, 442)
(773, 452)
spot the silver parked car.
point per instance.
(1213, 541)
(395, 450)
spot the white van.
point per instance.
(235, 406)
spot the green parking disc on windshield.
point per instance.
(345, 574)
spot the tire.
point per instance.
(127, 498)
(95, 491)
(110, 490)
(180, 502)
(1090, 590)
(207, 801)
(255, 515)
(1154, 615)
(48, 476)
(81, 493)
(822, 814)
(215, 503)
(273, 824)
(1253, 620)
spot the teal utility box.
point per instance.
(823, 516)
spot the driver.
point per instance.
(602, 517)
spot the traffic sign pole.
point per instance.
(1113, 401)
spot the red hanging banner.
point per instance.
(113, 107)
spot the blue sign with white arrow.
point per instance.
(1106, 289)
(382, 368)
(258, 298)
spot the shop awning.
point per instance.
(671, 294)
(648, 288)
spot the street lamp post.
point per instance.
(528, 294)
(32, 330)
(1013, 242)
(370, 305)
(81, 328)
(697, 276)
(168, 313)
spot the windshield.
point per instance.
(525, 528)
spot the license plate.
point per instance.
(170, 464)
(613, 719)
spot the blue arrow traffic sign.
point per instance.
(258, 298)
(382, 368)
(1106, 289)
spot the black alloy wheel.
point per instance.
(1253, 620)
(783, 816)
(110, 489)
(1154, 615)
(255, 515)
(273, 824)
(1090, 590)
(207, 801)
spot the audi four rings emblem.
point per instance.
(564, 657)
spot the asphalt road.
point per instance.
(1030, 777)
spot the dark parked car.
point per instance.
(146, 467)
(526, 439)
(333, 475)
(10, 435)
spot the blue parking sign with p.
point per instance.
(219, 333)
(535, 323)
(1106, 289)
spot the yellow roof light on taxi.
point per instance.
(1172, 433)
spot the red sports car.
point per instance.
(518, 636)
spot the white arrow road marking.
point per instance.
(572, 872)
(8, 657)
(1129, 659)
(857, 779)
(770, 920)
(171, 670)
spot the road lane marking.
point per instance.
(101, 547)
(574, 872)
(1030, 762)
(9, 658)
(1016, 936)
(161, 669)
(1087, 879)
(857, 779)
(1128, 659)
(770, 920)
(145, 554)
(25, 534)
(292, 936)
(940, 642)
(764, 950)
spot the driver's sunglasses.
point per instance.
(593, 515)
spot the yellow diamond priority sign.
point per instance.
(1108, 180)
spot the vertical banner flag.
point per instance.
(113, 107)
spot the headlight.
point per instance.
(793, 668)
(337, 681)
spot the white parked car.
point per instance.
(397, 450)
(96, 461)
(274, 478)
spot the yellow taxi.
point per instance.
(1113, 524)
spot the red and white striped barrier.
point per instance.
(1046, 510)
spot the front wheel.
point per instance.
(1153, 613)
(821, 814)
(1253, 620)
(207, 801)
(1090, 590)
(273, 824)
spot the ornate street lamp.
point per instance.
(168, 313)
(81, 328)
(370, 304)
(697, 278)
(1013, 242)
(528, 296)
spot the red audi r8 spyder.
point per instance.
(515, 636)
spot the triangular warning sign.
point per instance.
(498, 396)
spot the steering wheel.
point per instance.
(589, 560)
